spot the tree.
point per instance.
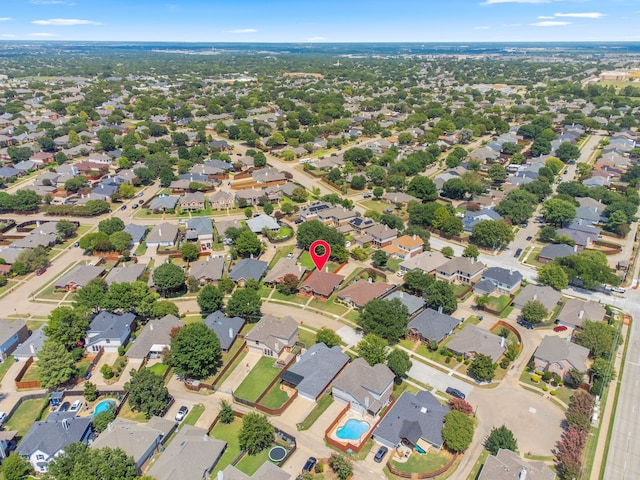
(447, 251)
(341, 466)
(387, 319)
(225, 415)
(33, 259)
(26, 201)
(288, 285)
(92, 294)
(471, 251)
(66, 326)
(136, 296)
(358, 182)
(547, 234)
(120, 241)
(195, 351)
(248, 244)
(580, 410)
(379, 259)
(79, 462)
(534, 311)
(399, 363)
(460, 405)
(418, 281)
(90, 392)
(126, 190)
(111, 225)
(557, 211)
(15, 467)
(210, 299)
(423, 188)
(482, 367)
(501, 437)
(492, 233)
(517, 206)
(554, 276)
(55, 365)
(589, 267)
(102, 419)
(540, 146)
(164, 307)
(454, 188)
(567, 152)
(599, 337)
(328, 337)
(256, 434)
(372, 349)
(246, 303)
(497, 173)
(65, 229)
(378, 192)
(189, 252)
(457, 432)
(168, 277)
(147, 393)
(299, 194)
(441, 294)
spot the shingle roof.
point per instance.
(507, 465)
(267, 471)
(269, 329)
(360, 378)
(501, 275)
(284, 267)
(474, 339)
(211, 269)
(201, 225)
(363, 291)
(226, 328)
(8, 328)
(322, 283)
(554, 251)
(257, 224)
(155, 332)
(433, 325)
(555, 349)
(248, 268)
(412, 302)
(577, 311)
(164, 232)
(80, 276)
(128, 273)
(32, 345)
(426, 261)
(543, 293)
(107, 325)
(57, 431)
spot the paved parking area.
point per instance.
(435, 378)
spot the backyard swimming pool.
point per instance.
(103, 406)
(353, 429)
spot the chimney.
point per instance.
(581, 314)
(32, 348)
(535, 297)
(277, 347)
(160, 232)
(523, 474)
(65, 424)
(414, 236)
(230, 332)
(440, 309)
(151, 326)
(502, 342)
(575, 248)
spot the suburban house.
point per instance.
(78, 277)
(507, 465)
(314, 371)
(472, 218)
(285, 266)
(312, 210)
(359, 293)
(192, 201)
(262, 222)
(320, 284)
(137, 232)
(381, 235)
(164, 203)
(426, 261)
(267, 471)
(226, 328)
(127, 273)
(246, 269)
(558, 355)
(504, 280)
(31, 346)
(472, 340)
(542, 293)
(162, 235)
(221, 200)
(154, 337)
(209, 271)
(47, 439)
(414, 420)
(405, 247)
(271, 335)
(12, 334)
(192, 454)
(576, 311)
(7, 443)
(367, 389)
(414, 304)
(432, 325)
(109, 331)
(399, 198)
(460, 269)
(336, 216)
(200, 229)
(138, 440)
(557, 250)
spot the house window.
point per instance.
(108, 340)
(257, 342)
(39, 457)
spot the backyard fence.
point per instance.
(435, 473)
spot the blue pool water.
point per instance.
(103, 406)
(352, 430)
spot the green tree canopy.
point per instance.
(399, 363)
(55, 365)
(328, 337)
(554, 276)
(195, 351)
(373, 349)
(457, 432)
(501, 437)
(245, 303)
(168, 277)
(441, 294)
(256, 434)
(248, 244)
(386, 318)
(210, 299)
(482, 367)
(534, 311)
(66, 326)
(111, 225)
(189, 252)
(557, 211)
(79, 462)
(492, 233)
(147, 393)
(599, 337)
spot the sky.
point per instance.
(321, 21)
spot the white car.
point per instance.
(76, 406)
(182, 412)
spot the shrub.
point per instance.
(106, 371)
(90, 392)
(553, 392)
(535, 378)
(545, 388)
(467, 361)
(504, 363)
(547, 376)
(459, 358)
(121, 351)
(447, 360)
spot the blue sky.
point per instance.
(321, 21)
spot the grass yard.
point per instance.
(27, 413)
(305, 261)
(375, 205)
(321, 406)
(392, 264)
(5, 366)
(195, 413)
(159, 368)
(275, 398)
(476, 468)
(288, 298)
(250, 464)
(353, 316)
(142, 247)
(258, 379)
(498, 303)
(329, 307)
(306, 337)
(228, 433)
(460, 290)
(421, 463)
(281, 253)
(126, 412)
(31, 375)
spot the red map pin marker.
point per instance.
(319, 260)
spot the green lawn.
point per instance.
(288, 298)
(25, 415)
(195, 413)
(5, 366)
(353, 316)
(142, 247)
(258, 379)
(305, 261)
(250, 464)
(306, 337)
(159, 368)
(321, 406)
(420, 463)
(498, 303)
(228, 433)
(82, 366)
(479, 464)
(281, 252)
(275, 398)
(31, 375)
(329, 307)
(126, 412)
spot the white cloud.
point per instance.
(549, 23)
(244, 30)
(5, 19)
(315, 39)
(8, 35)
(581, 15)
(481, 28)
(65, 22)
(545, 17)
(42, 34)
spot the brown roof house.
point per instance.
(12, 334)
(209, 271)
(359, 293)
(542, 293)
(286, 266)
(558, 355)
(461, 269)
(426, 261)
(271, 336)
(320, 284)
(192, 201)
(507, 465)
(78, 277)
(367, 389)
(472, 340)
(577, 311)
(382, 235)
(221, 200)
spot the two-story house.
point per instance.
(12, 334)
(381, 235)
(271, 336)
(558, 355)
(109, 331)
(366, 388)
(405, 247)
(461, 269)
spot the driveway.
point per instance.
(435, 378)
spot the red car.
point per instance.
(560, 328)
(41, 271)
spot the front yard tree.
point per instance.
(226, 415)
(189, 252)
(482, 368)
(164, 307)
(422, 188)
(256, 434)
(567, 152)
(195, 351)
(399, 363)
(471, 251)
(111, 225)
(288, 285)
(554, 276)
(457, 432)
(501, 437)
(65, 228)
(92, 294)
(168, 277)
(79, 462)
(15, 467)
(557, 211)
(492, 233)
(418, 281)
(372, 349)
(147, 393)
(66, 326)
(120, 241)
(441, 294)
(518, 205)
(379, 259)
(341, 466)
(534, 311)
(248, 244)
(598, 337)
(33, 259)
(386, 318)
(328, 337)
(55, 365)
(246, 303)
(210, 299)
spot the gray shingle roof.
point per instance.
(107, 325)
(51, 435)
(164, 232)
(248, 268)
(284, 267)
(501, 275)
(137, 232)
(543, 293)
(554, 251)
(128, 273)
(80, 276)
(555, 349)
(8, 328)
(32, 345)
(576, 311)
(359, 378)
(472, 339)
(225, 328)
(433, 325)
(257, 224)
(269, 329)
(507, 465)
(156, 332)
(412, 302)
(211, 269)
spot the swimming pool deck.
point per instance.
(353, 415)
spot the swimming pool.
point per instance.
(352, 430)
(103, 406)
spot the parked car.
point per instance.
(529, 238)
(40, 271)
(518, 252)
(134, 206)
(140, 201)
(290, 255)
(298, 220)
(182, 412)
(76, 406)
(560, 328)
(3, 417)
(64, 407)
(123, 207)
(454, 392)
(140, 194)
(382, 451)
(308, 466)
